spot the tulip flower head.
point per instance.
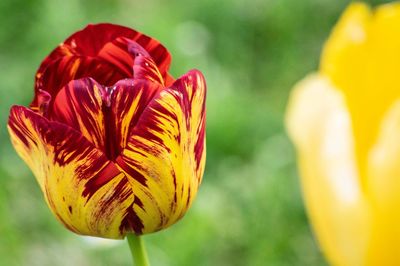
(116, 144)
(344, 121)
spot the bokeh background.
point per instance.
(249, 209)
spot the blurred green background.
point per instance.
(249, 209)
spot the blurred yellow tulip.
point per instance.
(345, 123)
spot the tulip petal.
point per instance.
(103, 52)
(105, 117)
(165, 156)
(80, 105)
(90, 40)
(99, 41)
(383, 187)
(343, 52)
(337, 206)
(65, 69)
(128, 101)
(122, 53)
(117, 54)
(362, 59)
(145, 68)
(84, 190)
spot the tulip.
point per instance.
(115, 143)
(345, 123)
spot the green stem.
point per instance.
(138, 250)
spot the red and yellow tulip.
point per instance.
(115, 143)
(345, 123)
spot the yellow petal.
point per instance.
(362, 58)
(384, 187)
(84, 190)
(343, 50)
(165, 156)
(319, 124)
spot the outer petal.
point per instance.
(165, 156)
(84, 190)
(337, 207)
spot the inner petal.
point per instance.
(104, 115)
(90, 40)
(80, 105)
(117, 54)
(129, 98)
(122, 53)
(68, 68)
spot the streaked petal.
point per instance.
(337, 205)
(42, 102)
(99, 41)
(68, 68)
(84, 190)
(104, 116)
(80, 105)
(145, 68)
(122, 53)
(89, 41)
(128, 100)
(165, 156)
(117, 54)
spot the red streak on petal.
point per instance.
(131, 171)
(100, 179)
(131, 222)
